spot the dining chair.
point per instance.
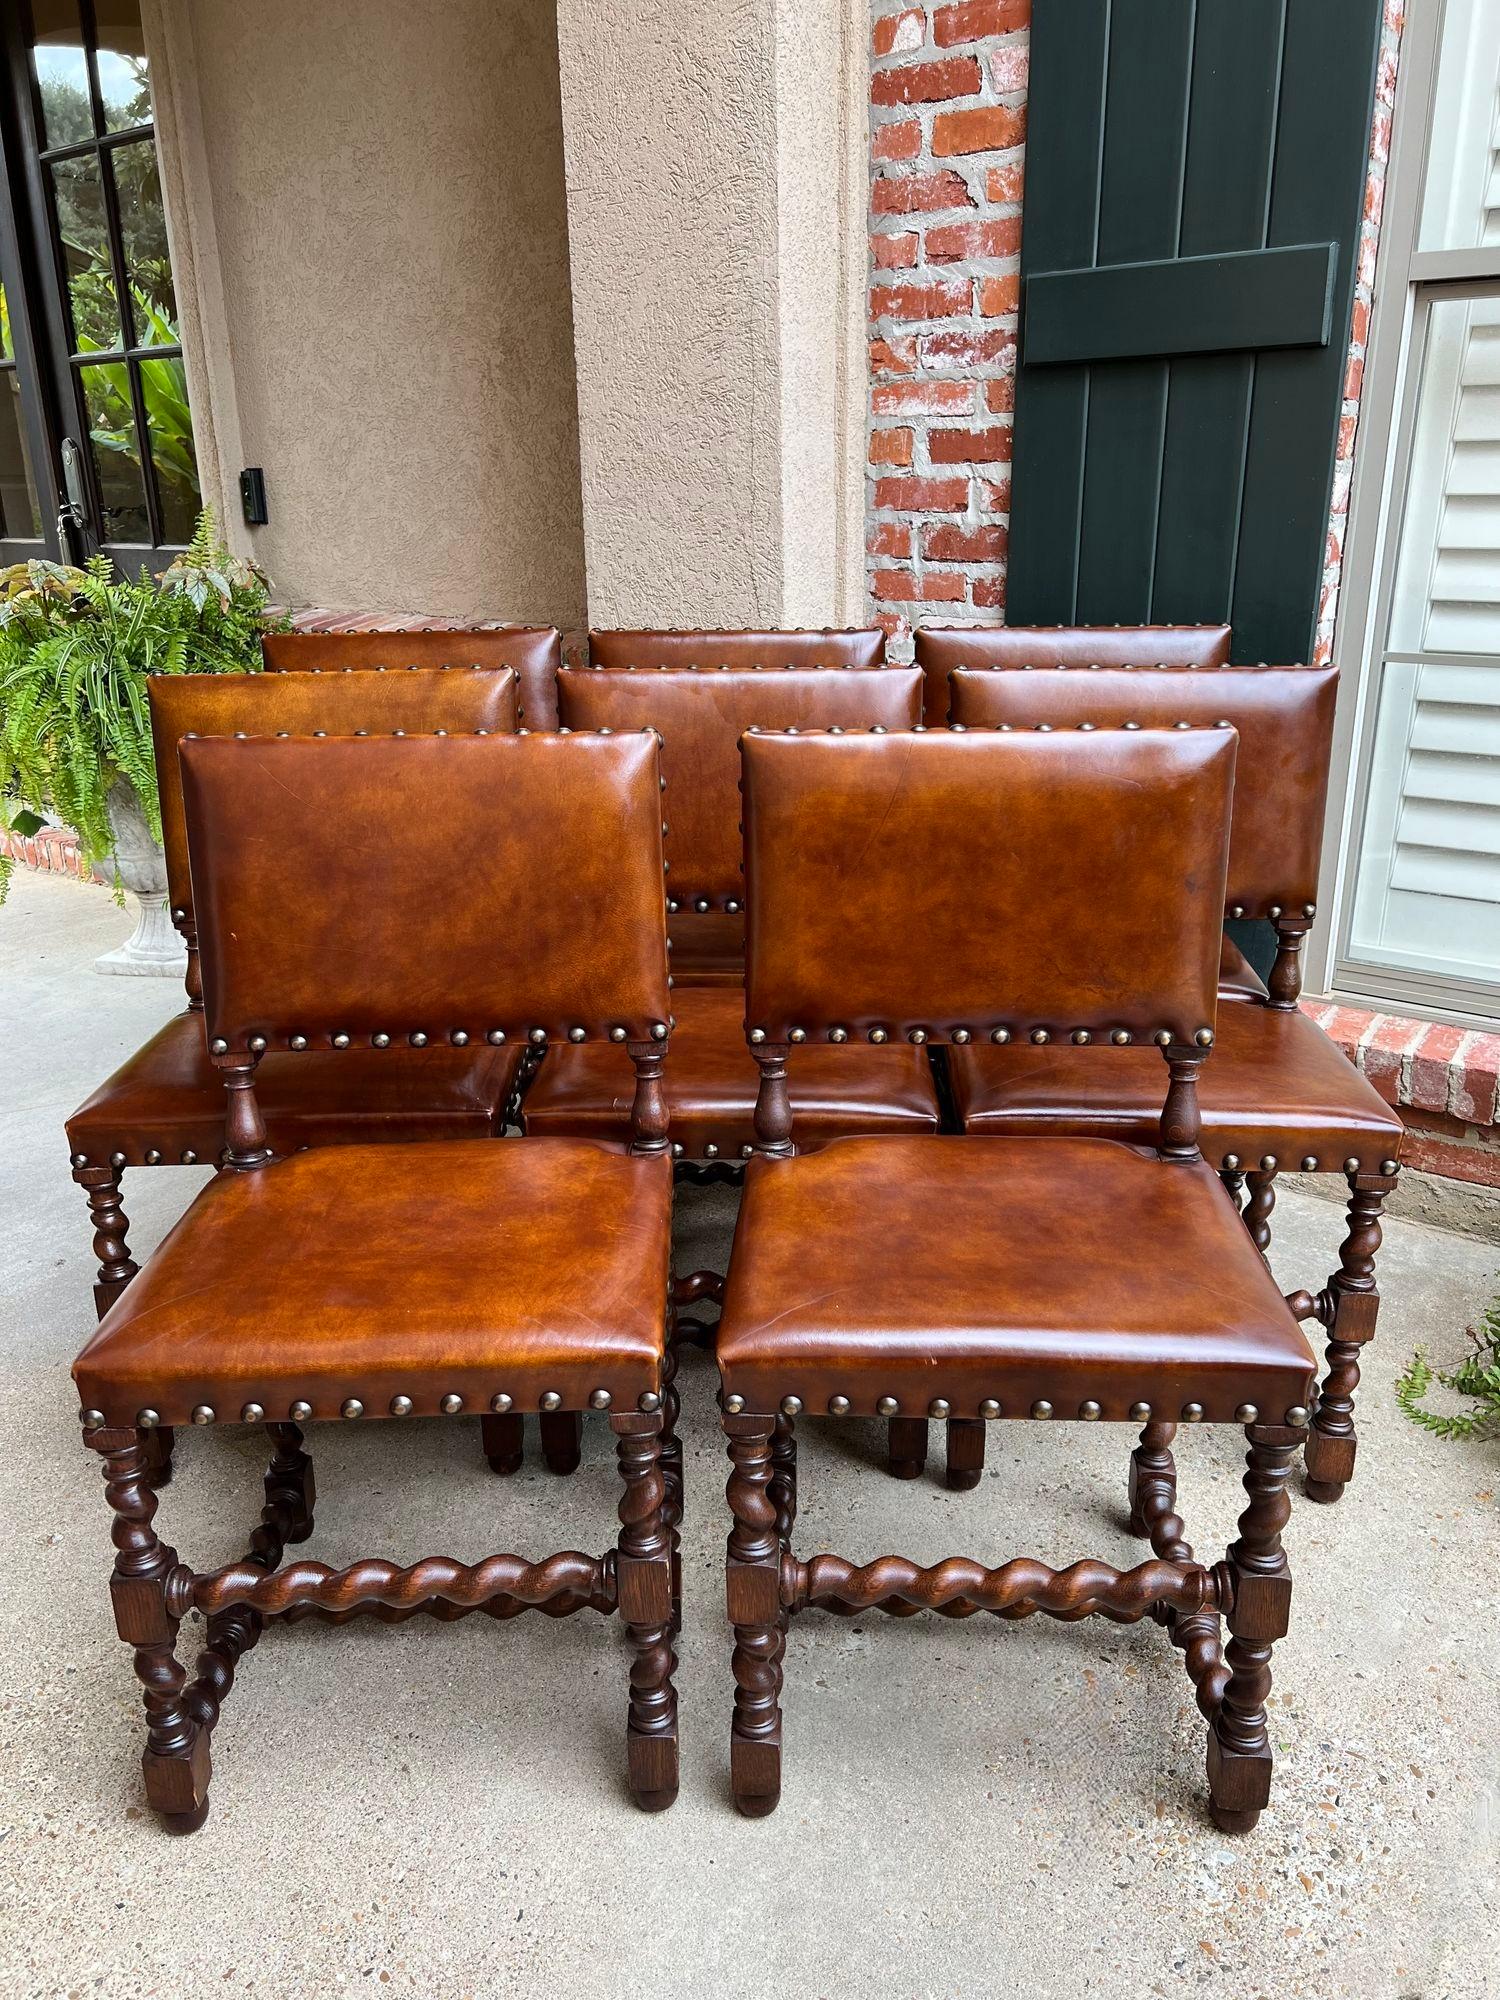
(942, 648)
(533, 653)
(1054, 889)
(708, 945)
(700, 714)
(164, 1105)
(405, 1281)
(1279, 1095)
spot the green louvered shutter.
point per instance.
(1194, 193)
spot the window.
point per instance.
(1419, 921)
(94, 269)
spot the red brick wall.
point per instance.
(947, 156)
(947, 144)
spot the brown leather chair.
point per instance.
(1278, 1093)
(406, 1281)
(966, 890)
(164, 1106)
(701, 716)
(533, 654)
(942, 648)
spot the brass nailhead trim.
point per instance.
(551, 1400)
(147, 1420)
(1192, 1413)
(838, 1406)
(888, 1406)
(500, 1404)
(253, 1413)
(1090, 1412)
(990, 1408)
(300, 1412)
(1296, 1416)
(649, 1402)
(451, 1404)
(1041, 1409)
(401, 1406)
(1247, 1413)
(939, 1407)
(1140, 1413)
(600, 1399)
(734, 1404)
(791, 1406)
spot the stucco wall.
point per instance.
(671, 166)
(379, 262)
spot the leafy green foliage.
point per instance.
(75, 649)
(1477, 1377)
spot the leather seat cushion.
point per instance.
(1062, 1270)
(1238, 978)
(424, 1271)
(711, 1081)
(1274, 1086)
(168, 1098)
(708, 948)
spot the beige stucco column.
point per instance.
(715, 173)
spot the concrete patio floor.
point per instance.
(970, 1808)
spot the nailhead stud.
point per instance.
(1140, 1413)
(600, 1399)
(341, 1041)
(153, 1158)
(500, 1404)
(576, 1034)
(1390, 1166)
(878, 1035)
(888, 1406)
(1041, 1409)
(960, 1036)
(300, 1412)
(495, 1037)
(1351, 1166)
(538, 1036)
(1231, 1163)
(791, 1406)
(92, 1420)
(1090, 1412)
(658, 1031)
(710, 1151)
(1192, 1413)
(678, 1149)
(451, 1404)
(80, 1160)
(257, 1045)
(117, 1159)
(1247, 1413)
(1000, 1034)
(990, 1408)
(838, 1406)
(617, 1034)
(1040, 1035)
(1296, 1416)
(1310, 1164)
(734, 1404)
(838, 1034)
(649, 1402)
(757, 1036)
(297, 1042)
(460, 1038)
(551, 1400)
(401, 1406)
(1120, 1036)
(147, 1420)
(1204, 1038)
(219, 1046)
(939, 1407)
(351, 1409)
(419, 1040)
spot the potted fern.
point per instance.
(75, 729)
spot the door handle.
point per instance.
(75, 508)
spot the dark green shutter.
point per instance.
(1195, 174)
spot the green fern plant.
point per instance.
(76, 647)
(1477, 1377)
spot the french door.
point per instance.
(96, 438)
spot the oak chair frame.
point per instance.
(152, 1590)
(1248, 1592)
(1348, 1304)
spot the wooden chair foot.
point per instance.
(503, 1439)
(653, 1771)
(755, 1775)
(562, 1440)
(159, 1457)
(1324, 1491)
(965, 1453)
(907, 1447)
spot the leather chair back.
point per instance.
(942, 887)
(862, 648)
(701, 716)
(941, 648)
(422, 889)
(1284, 716)
(358, 703)
(533, 653)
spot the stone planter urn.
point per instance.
(153, 950)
